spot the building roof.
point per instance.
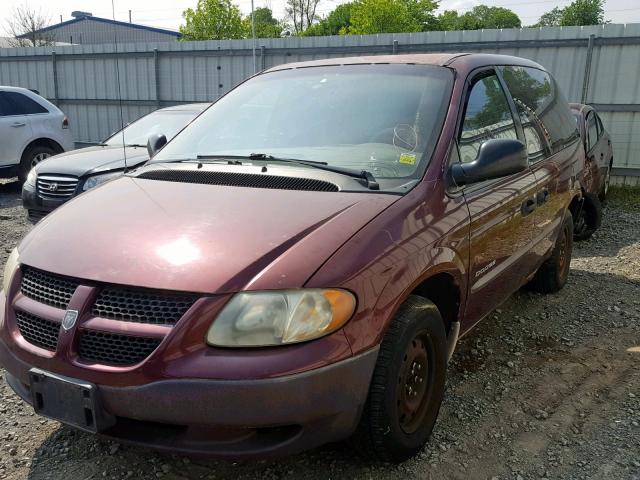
(107, 21)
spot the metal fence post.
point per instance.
(262, 59)
(395, 47)
(54, 65)
(587, 69)
(156, 69)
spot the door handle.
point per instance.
(528, 206)
(18, 124)
(542, 196)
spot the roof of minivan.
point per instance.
(463, 61)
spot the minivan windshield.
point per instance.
(165, 122)
(383, 118)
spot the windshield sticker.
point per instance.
(408, 158)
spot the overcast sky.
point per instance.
(167, 13)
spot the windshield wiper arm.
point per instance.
(135, 145)
(366, 178)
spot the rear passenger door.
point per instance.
(15, 130)
(502, 210)
(597, 149)
(552, 144)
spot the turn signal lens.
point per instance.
(258, 319)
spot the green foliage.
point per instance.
(579, 12)
(212, 20)
(265, 24)
(382, 16)
(336, 23)
(480, 17)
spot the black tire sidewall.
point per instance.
(397, 442)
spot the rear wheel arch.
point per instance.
(43, 142)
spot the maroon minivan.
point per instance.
(297, 265)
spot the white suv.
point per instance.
(31, 129)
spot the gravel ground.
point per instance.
(547, 387)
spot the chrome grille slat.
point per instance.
(56, 187)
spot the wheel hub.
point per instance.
(413, 385)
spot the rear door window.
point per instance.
(487, 116)
(544, 113)
(14, 103)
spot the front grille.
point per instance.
(38, 331)
(142, 306)
(47, 288)
(114, 349)
(233, 179)
(52, 187)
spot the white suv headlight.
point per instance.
(9, 269)
(258, 319)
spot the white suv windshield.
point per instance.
(381, 118)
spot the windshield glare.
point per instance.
(168, 123)
(381, 118)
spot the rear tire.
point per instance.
(407, 386)
(589, 218)
(31, 157)
(553, 273)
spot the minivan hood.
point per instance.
(197, 238)
(92, 160)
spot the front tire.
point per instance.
(553, 273)
(407, 387)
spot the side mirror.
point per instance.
(155, 143)
(496, 158)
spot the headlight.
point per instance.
(9, 269)
(257, 319)
(32, 176)
(98, 179)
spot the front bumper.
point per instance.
(231, 418)
(36, 207)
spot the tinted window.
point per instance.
(544, 112)
(385, 119)
(14, 103)
(592, 131)
(487, 115)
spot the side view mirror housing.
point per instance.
(155, 143)
(496, 158)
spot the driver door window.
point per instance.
(487, 116)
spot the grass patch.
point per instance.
(624, 197)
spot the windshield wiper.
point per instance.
(365, 178)
(135, 145)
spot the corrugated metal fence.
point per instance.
(598, 65)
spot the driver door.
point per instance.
(501, 210)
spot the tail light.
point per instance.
(65, 123)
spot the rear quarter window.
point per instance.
(14, 103)
(544, 112)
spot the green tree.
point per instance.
(583, 12)
(336, 23)
(423, 12)
(579, 12)
(212, 20)
(550, 19)
(481, 16)
(382, 16)
(266, 25)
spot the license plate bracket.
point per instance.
(67, 400)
